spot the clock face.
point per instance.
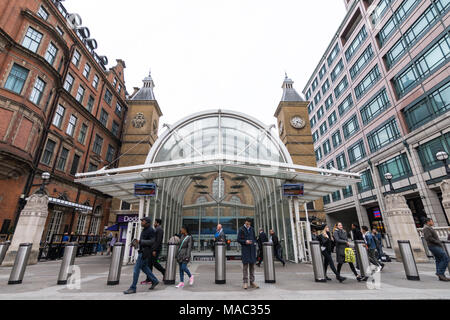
(298, 123)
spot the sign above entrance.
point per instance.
(145, 190)
(293, 190)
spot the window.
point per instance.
(51, 53)
(333, 54)
(383, 135)
(81, 224)
(108, 96)
(218, 188)
(32, 39)
(38, 91)
(72, 125)
(379, 11)
(98, 144)
(59, 116)
(332, 119)
(347, 192)
(104, 117)
(356, 43)
(317, 98)
(337, 70)
(125, 206)
(362, 61)
(80, 94)
(322, 72)
(16, 79)
(368, 82)
(346, 105)
(427, 152)
(310, 107)
(75, 162)
(325, 86)
(313, 121)
(337, 139)
(315, 136)
(110, 153)
(76, 58)
(375, 106)
(323, 128)
(319, 154)
(320, 113)
(326, 199)
(326, 147)
(83, 132)
(48, 152)
(90, 103)
(330, 165)
(95, 81)
(340, 88)
(336, 196)
(92, 167)
(422, 66)
(87, 70)
(399, 168)
(42, 13)
(118, 109)
(115, 128)
(119, 88)
(69, 82)
(366, 183)
(329, 102)
(315, 84)
(114, 82)
(60, 31)
(356, 152)
(430, 107)
(62, 159)
(308, 94)
(350, 127)
(341, 162)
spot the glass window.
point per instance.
(16, 79)
(98, 144)
(383, 136)
(75, 163)
(61, 165)
(76, 58)
(95, 81)
(340, 88)
(80, 94)
(368, 82)
(379, 11)
(346, 105)
(87, 70)
(399, 168)
(42, 13)
(326, 147)
(347, 192)
(108, 96)
(323, 128)
(118, 109)
(59, 116)
(315, 84)
(115, 128)
(336, 196)
(308, 94)
(326, 199)
(104, 117)
(48, 152)
(32, 39)
(337, 70)
(366, 183)
(332, 119)
(329, 102)
(313, 121)
(92, 167)
(337, 139)
(325, 86)
(375, 106)
(69, 82)
(38, 91)
(427, 152)
(330, 165)
(83, 132)
(341, 162)
(333, 54)
(350, 127)
(90, 103)
(72, 125)
(51, 53)
(315, 136)
(356, 43)
(322, 72)
(310, 107)
(356, 152)
(110, 153)
(362, 61)
(320, 113)
(319, 154)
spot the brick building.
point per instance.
(61, 111)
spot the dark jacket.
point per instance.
(185, 249)
(431, 237)
(146, 242)
(262, 238)
(221, 237)
(357, 234)
(341, 239)
(159, 235)
(328, 243)
(275, 241)
(370, 241)
(248, 250)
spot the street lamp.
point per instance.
(45, 181)
(443, 156)
(388, 176)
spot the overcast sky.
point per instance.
(211, 54)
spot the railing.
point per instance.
(442, 232)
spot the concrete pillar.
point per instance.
(361, 211)
(29, 229)
(399, 218)
(445, 188)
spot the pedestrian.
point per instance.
(156, 250)
(262, 238)
(341, 239)
(371, 244)
(145, 245)
(277, 247)
(437, 249)
(379, 242)
(247, 238)
(219, 236)
(184, 256)
(326, 246)
(357, 236)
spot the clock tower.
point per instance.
(295, 132)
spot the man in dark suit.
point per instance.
(247, 239)
(277, 247)
(157, 246)
(262, 238)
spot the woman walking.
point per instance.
(326, 245)
(341, 239)
(184, 256)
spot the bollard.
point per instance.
(427, 250)
(171, 264)
(116, 264)
(316, 253)
(447, 249)
(221, 262)
(20, 264)
(3, 249)
(409, 263)
(70, 251)
(269, 265)
(363, 258)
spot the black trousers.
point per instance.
(153, 262)
(352, 266)
(279, 254)
(328, 261)
(260, 256)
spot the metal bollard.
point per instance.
(20, 264)
(269, 265)
(171, 264)
(316, 254)
(3, 249)
(116, 264)
(70, 251)
(447, 249)
(221, 263)
(363, 258)
(409, 263)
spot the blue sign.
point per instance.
(293, 190)
(145, 190)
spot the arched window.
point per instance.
(201, 211)
(218, 192)
(95, 223)
(235, 212)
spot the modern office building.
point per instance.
(61, 111)
(379, 104)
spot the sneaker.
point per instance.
(443, 278)
(191, 280)
(254, 285)
(145, 282)
(129, 291)
(328, 279)
(153, 285)
(180, 285)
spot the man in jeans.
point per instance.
(436, 248)
(145, 244)
(371, 247)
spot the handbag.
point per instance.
(350, 255)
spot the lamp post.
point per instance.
(443, 156)
(45, 181)
(388, 176)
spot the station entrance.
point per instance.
(220, 167)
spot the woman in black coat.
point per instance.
(341, 239)
(326, 245)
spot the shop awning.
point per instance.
(68, 204)
(114, 227)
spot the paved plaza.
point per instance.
(295, 281)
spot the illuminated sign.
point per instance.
(145, 190)
(293, 190)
